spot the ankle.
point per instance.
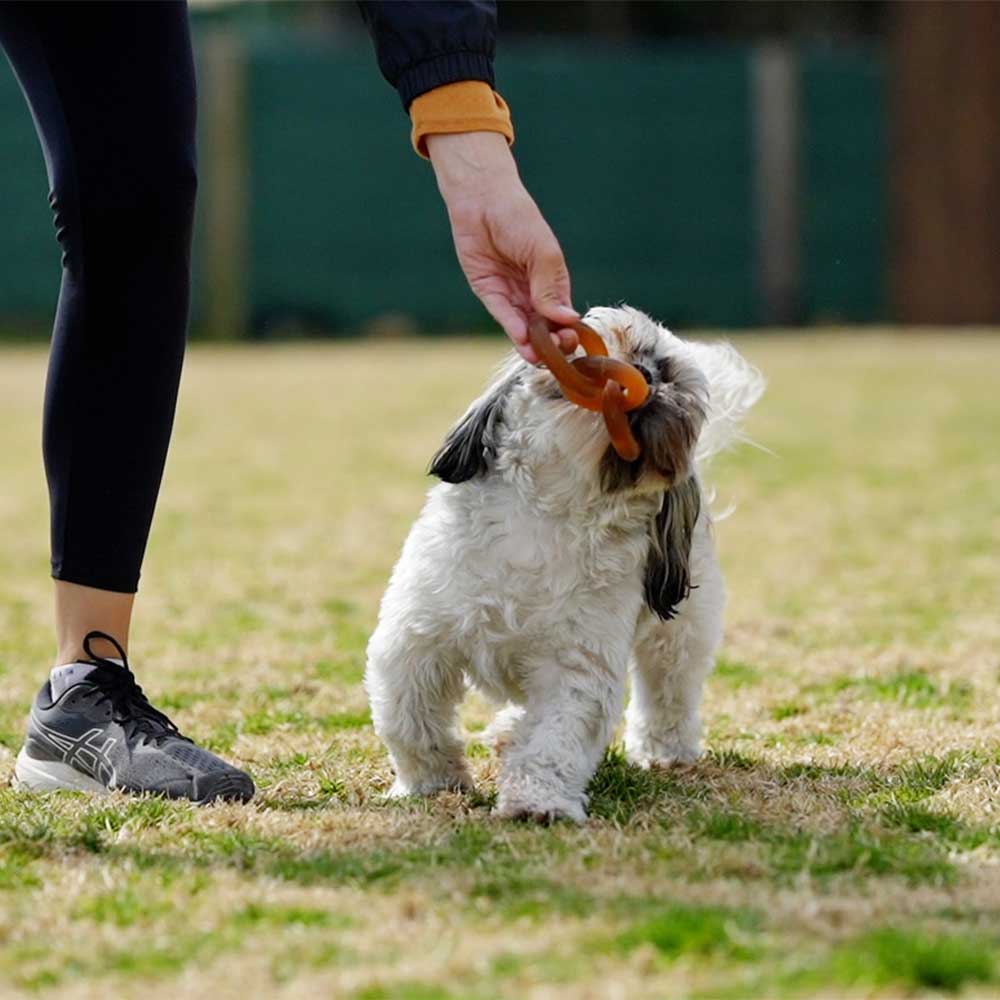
(80, 610)
(73, 652)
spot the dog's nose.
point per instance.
(646, 373)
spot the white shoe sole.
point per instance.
(52, 776)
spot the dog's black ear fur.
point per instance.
(668, 578)
(471, 445)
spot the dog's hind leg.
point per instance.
(414, 691)
(552, 751)
(670, 662)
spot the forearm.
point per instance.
(439, 56)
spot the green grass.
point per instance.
(735, 673)
(915, 960)
(908, 688)
(839, 838)
(701, 931)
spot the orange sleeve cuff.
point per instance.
(468, 106)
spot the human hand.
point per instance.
(509, 254)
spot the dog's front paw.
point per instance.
(538, 802)
(647, 753)
(542, 815)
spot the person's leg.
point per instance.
(111, 89)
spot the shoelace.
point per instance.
(129, 704)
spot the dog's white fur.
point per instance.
(524, 576)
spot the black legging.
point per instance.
(112, 91)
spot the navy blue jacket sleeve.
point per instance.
(423, 44)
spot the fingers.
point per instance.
(548, 280)
(567, 340)
(514, 325)
(512, 322)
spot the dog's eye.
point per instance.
(666, 370)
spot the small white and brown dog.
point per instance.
(545, 569)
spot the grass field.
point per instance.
(840, 839)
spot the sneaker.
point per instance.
(102, 734)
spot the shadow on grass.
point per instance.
(883, 827)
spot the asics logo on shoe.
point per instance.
(90, 753)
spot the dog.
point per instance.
(545, 570)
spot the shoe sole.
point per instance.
(52, 776)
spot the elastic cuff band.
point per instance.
(452, 67)
(468, 106)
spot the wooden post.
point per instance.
(225, 187)
(776, 114)
(945, 162)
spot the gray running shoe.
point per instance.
(102, 734)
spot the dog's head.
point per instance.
(524, 414)
(523, 426)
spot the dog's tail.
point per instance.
(734, 385)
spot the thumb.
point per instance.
(549, 283)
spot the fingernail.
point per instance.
(568, 311)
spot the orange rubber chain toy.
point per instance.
(596, 382)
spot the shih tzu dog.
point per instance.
(544, 570)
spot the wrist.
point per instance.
(470, 161)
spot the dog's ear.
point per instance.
(471, 445)
(668, 578)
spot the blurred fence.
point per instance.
(713, 185)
